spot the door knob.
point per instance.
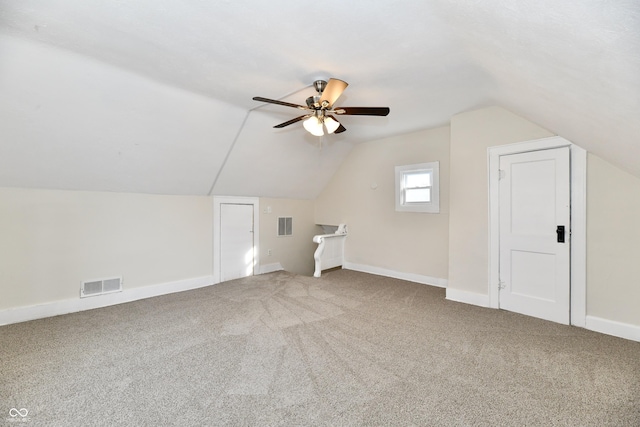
(560, 233)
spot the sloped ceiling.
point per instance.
(155, 96)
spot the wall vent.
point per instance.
(285, 226)
(99, 287)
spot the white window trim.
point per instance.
(431, 207)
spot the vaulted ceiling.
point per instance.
(154, 96)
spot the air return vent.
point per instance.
(100, 287)
(285, 226)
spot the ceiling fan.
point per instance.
(320, 109)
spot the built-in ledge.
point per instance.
(330, 251)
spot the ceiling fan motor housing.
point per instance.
(313, 102)
(319, 85)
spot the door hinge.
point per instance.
(501, 174)
(501, 285)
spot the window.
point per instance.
(417, 188)
(285, 226)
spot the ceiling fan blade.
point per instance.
(332, 91)
(340, 128)
(273, 101)
(292, 121)
(363, 111)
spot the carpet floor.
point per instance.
(347, 349)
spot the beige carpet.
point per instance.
(286, 350)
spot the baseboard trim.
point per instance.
(611, 327)
(411, 277)
(468, 297)
(270, 268)
(56, 308)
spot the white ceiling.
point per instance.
(154, 96)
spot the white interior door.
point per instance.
(236, 241)
(534, 255)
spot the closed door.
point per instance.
(236, 241)
(535, 234)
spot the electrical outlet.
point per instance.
(269, 252)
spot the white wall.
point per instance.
(471, 134)
(295, 252)
(362, 195)
(53, 240)
(613, 243)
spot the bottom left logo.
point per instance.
(13, 412)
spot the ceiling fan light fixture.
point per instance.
(331, 124)
(317, 118)
(314, 126)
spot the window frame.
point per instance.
(432, 206)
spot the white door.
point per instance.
(236, 241)
(534, 251)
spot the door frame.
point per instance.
(217, 225)
(578, 177)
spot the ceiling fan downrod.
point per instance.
(313, 102)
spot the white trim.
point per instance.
(56, 308)
(411, 277)
(578, 216)
(270, 268)
(578, 236)
(467, 297)
(219, 200)
(611, 327)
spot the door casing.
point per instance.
(578, 161)
(217, 202)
